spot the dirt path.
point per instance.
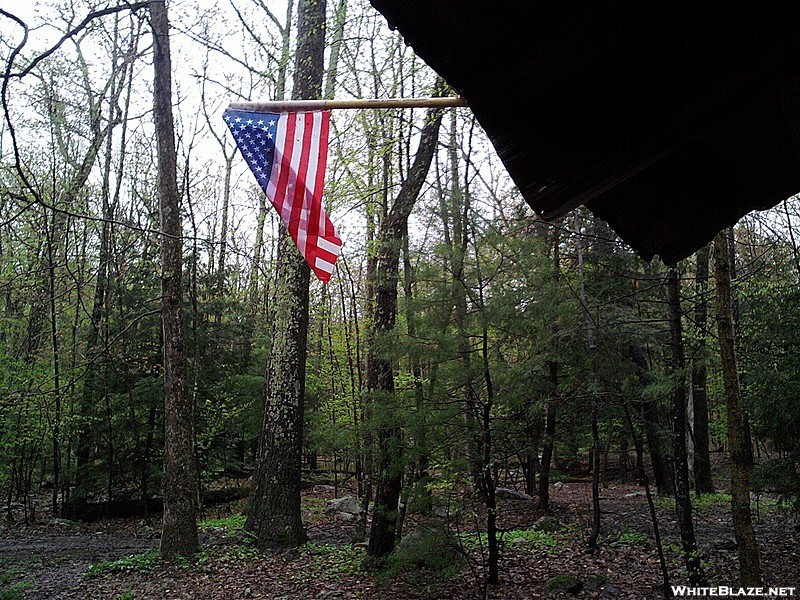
(49, 561)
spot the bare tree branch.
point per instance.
(72, 32)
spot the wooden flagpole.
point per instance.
(279, 106)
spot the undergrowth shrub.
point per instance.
(423, 557)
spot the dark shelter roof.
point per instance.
(668, 120)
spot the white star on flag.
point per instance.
(292, 176)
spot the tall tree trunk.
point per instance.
(654, 429)
(530, 459)
(683, 503)
(486, 480)
(703, 482)
(95, 352)
(454, 220)
(550, 410)
(256, 306)
(591, 346)
(275, 516)
(368, 443)
(642, 475)
(179, 536)
(197, 354)
(223, 230)
(730, 235)
(747, 547)
(58, 229)
(594, 534)
(549, 440)
(54, 339)
(488, 485)
(380, 370)
(335, 46)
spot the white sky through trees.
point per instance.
(220, 57)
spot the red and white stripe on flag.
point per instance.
(287, 153)
(295, 187)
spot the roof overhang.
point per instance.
(669, 121)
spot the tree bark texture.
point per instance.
(549, 441)
(654, 428)
(488, 485)
(594, 534)
(179, 534)
(380, 370)
(746, 544)
(730, 235)
(275, 516)
(683, 503)
(703, 482)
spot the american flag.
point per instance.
(287, 153)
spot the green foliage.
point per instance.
(485, 270)
(516, 538)
(126, 595)
(231, 522)
(632, 538)
(539, 540)
(444, 481)
(313, 508)
(771, 338)
(700, 502)
(14, 591)
(10, 590)
(781, 476)
(135, 563)
(228, 554)
(331, 560)
(563, 581)
(231, 554)
(711, 501)
(424, 556)
(333, 395)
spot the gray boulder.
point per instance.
(509, 494)
(345, 504)
(565, 583)
(549, 524)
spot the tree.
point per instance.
(683, 504)
(543, 491)
(179, 535)
(96, 380)
(274, 516)
(380, 369)
(769, 338)
(749, 564)
(654, 428)
(703, 481)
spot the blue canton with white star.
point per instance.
(255, 136)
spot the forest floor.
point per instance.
(118, 559)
